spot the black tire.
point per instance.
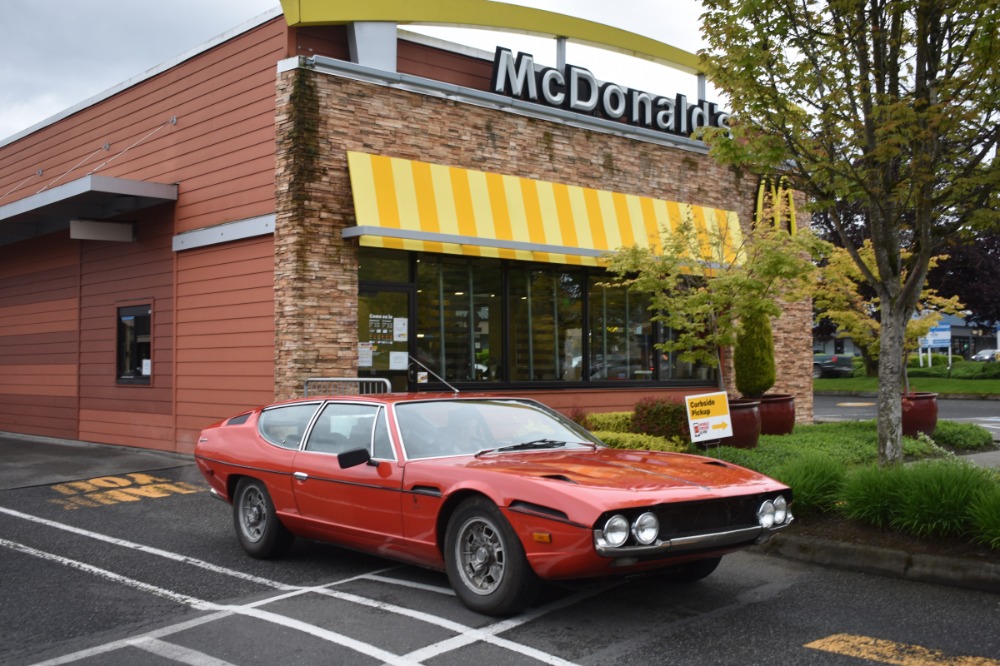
(257, 526)
(691, 572)
(485, 560)
(817, 372)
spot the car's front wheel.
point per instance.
(485, 560)
(817, 371)
(257, 526)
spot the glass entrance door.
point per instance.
(384, 336)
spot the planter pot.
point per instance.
(777, 413)
(745, 415)
(920, 412)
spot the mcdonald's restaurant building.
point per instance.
(314, 195)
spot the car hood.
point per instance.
(621, 470)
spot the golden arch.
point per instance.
(493, 16)
(776, 198)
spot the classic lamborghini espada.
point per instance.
(498, 492)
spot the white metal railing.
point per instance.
(346, 386)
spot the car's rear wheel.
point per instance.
(257, 526)
(485, 560)
(691, 572)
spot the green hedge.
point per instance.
(959, 370)
(632, 440)
(609, 421)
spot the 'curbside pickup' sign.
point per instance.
(708, 416)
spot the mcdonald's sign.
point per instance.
(775, 201)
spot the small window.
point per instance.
(135, 364)
(284, 426)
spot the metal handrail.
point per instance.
(358, 385)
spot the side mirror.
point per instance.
(353, 458)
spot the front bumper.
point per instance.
(682, 544)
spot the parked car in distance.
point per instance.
(985, 355)
(833, 365)
(498, 492)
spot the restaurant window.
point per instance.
(621, 334)
(459, 315)
(135, 364)
(546, 323)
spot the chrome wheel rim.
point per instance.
(481, 555)
(253, 514)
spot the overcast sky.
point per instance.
(57, 53)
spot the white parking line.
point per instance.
(198, 604)
(416, 586)
(177, 653)
(465, 635)
(150, 550)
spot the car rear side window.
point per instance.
(284, 426)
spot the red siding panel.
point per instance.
(39, 311)
(225, 333)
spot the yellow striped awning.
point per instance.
(410, 205)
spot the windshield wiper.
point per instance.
(525, 446)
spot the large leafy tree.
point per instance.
(884, 108)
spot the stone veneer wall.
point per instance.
(320, 117)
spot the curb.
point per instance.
(955, 572)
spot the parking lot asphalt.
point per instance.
(38, 461)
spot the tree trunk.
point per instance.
(890, 382)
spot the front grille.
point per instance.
(706, 516)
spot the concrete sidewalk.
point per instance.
(27, 461)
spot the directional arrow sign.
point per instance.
(708, 416)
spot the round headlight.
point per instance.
(765, 514)
(780, 510)
(616, 530)
(646, 528)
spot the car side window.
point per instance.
(345, 427)
(284, 426)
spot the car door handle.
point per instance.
(300, 476)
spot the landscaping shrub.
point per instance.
(578, 415)
(962, 436)
(935, 371)
(753, 356)
(632, 440)
(934, 497)
(655, 416)
(936, 360)
(609, 421)
(984, 513)
(869, 494)
(816, 480)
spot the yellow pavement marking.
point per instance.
(855, 404)
(890, 652)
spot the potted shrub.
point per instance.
(753, 363)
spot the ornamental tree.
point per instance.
(887, 108)
(702, 287)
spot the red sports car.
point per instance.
(498, 492)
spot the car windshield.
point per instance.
(438, 428)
